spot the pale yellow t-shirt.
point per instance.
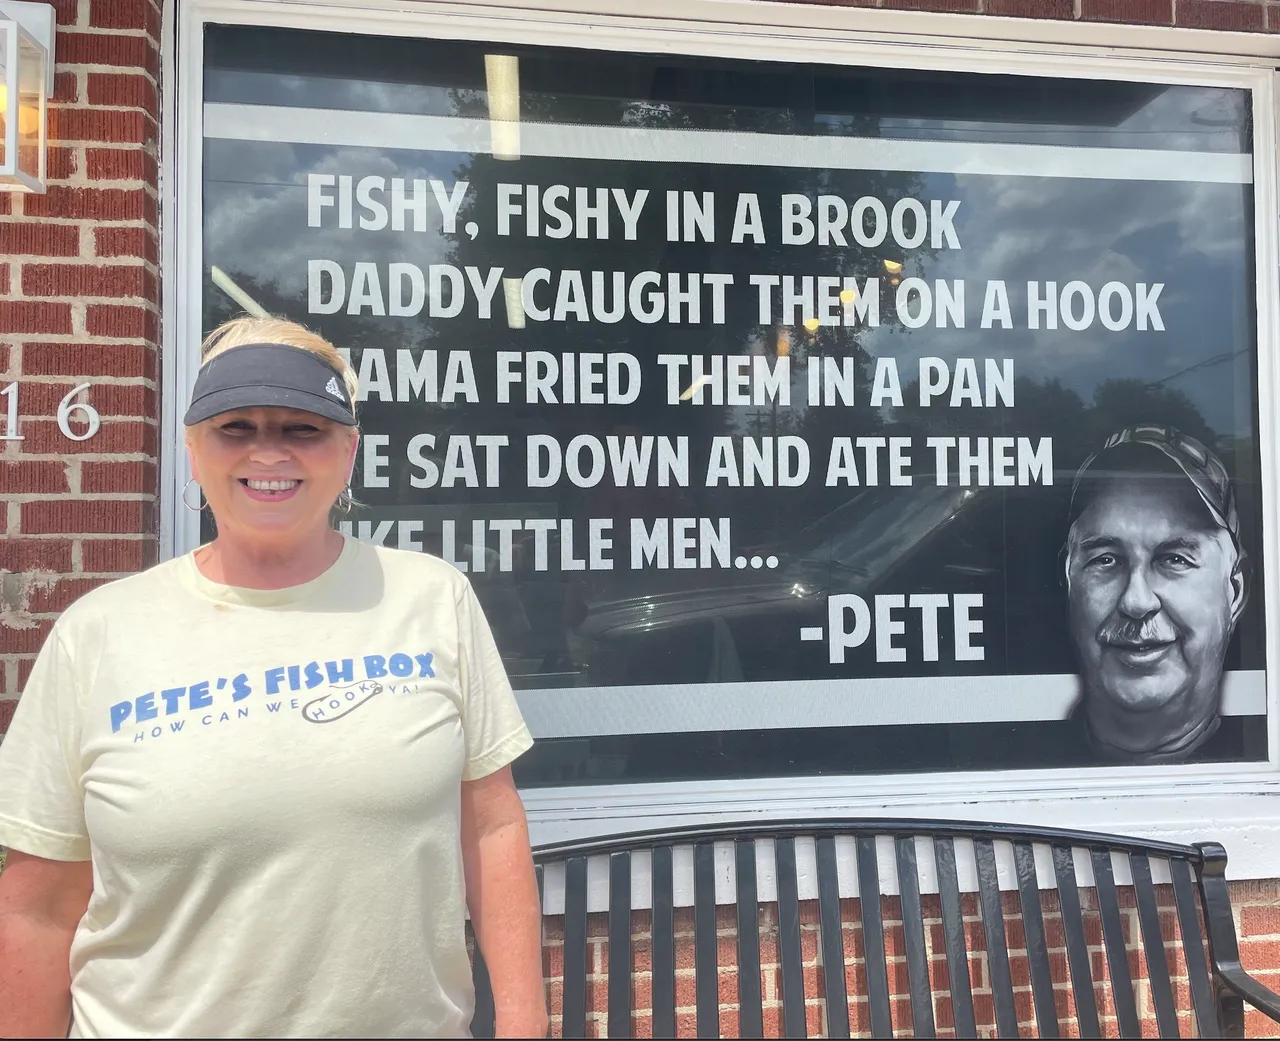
(268, 785)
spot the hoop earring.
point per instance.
(344, 503)
(193, 509)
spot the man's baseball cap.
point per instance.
(1196, 462)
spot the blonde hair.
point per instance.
(240, 332)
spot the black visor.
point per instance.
(271, 375)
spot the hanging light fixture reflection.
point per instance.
(782, 346)
(502, 84)
(513, 297)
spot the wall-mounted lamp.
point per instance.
(26, 81)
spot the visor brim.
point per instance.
(234, 398)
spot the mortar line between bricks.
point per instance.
(98, 142)
(79, 496)
(81, 179)
(98, 106)
(151, 189)
(80, 260)
(80, 222)
(124, 186)
(98, 30)
(79, 340)
(123, 457)
(81, 455)
(122, 260)
(62, 380)
(92, 536)
(125, 260)
(135, 301)
(91, 106)
(42, 378)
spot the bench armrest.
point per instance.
(1241, 983)
(1220, 927)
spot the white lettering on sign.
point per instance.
(900, 623)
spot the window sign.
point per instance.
(787, 419)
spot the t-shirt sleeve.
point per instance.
(493, 729)
(41, 799)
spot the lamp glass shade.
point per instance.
(6, 33)
(30, 108)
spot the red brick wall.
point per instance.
(79, 301)
(1237, 15)
(1258, 915)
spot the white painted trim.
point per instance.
(183, 323)
(1266, 202)
(683, 24)
(784, 704)
(172, 370)
(1235, 804)
(312, 126)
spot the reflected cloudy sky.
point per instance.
(1196, 239)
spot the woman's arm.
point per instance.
(502, 896)
(41, 903)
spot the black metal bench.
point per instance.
(841, 852)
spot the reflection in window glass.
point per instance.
(752, 397)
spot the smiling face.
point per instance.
(271, 475)
(1155, 591)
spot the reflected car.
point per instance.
(736, 626)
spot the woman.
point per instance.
(245, 792)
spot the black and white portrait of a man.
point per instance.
(1156, 582)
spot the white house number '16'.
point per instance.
(68, 408)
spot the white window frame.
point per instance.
(1236, 804)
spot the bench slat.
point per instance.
(750, 1000)
(944, 857)
(873, 937)
(913, 936)
(1024, 860)
(833, 959)
(1113, 940)
(575, 947)
(664, 944)
(1184, 898)
(705, 961)
(620, 965)
(997, 950)
(1153, 945)
(1064, 870)
(793, 1018)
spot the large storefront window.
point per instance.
(788, 419)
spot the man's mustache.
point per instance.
(1134, 632)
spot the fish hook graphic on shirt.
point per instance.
(340, 701)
